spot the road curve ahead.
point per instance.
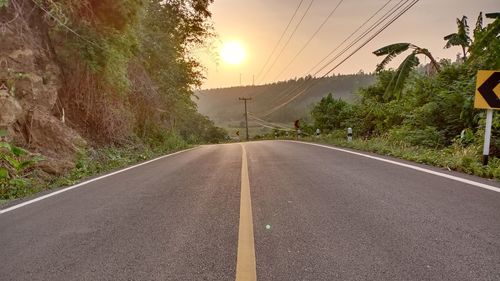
(274, 210)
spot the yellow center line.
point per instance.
(245, 261)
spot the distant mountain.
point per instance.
(222, 105)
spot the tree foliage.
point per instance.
(409, 63)
(331, 113)
(127, 65)
(432, 110)
(461, 37)
(16, 165)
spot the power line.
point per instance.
(271, 126)
(345, 59)
(365, 33)
(289, 39)
(310, 39)
(308, 77)
(250, 115)
(65, 26)
(388, 14)
(352, 53)
(281, 38)
(351, 35)
(371, 38)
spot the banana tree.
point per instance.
(460, 38)
(409, 63)
(486, 40)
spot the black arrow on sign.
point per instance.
(486, 90)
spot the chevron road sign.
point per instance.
(487, 90)
(487, 97)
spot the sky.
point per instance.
(258, 24)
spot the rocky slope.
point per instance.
(30, 110)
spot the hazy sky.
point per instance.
(258, 24)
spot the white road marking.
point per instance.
(420, 169)
(86, 182)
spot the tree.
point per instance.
(404, 69)
(137, 57)
(485, 48)
(460, 38)
(168, 30)
(331, 113)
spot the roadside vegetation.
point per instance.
(422, 113)
(126, 86)
(16, 169)
(20, 175)
(455, 157)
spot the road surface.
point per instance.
(274, 210)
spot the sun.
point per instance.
(232, 52)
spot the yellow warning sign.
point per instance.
(487, 90)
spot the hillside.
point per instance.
(222, 105)
(82, 89)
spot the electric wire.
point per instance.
(59, 21)
(288, 40)
(345, 59)
(293, 88)
(280, 39)
(250, 115)
(351, 35)
(388, 14)
(310, 39)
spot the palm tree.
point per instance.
(404, 69)
(460, 38)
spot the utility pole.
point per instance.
(246, 114)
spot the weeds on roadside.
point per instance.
(18, 177)
(17, 166)
(460, 157)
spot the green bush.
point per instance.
(454, 157)
(428, 137)
(15, 171)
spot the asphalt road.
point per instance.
(318, 214)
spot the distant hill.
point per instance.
(222, 105)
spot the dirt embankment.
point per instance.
(30, 110)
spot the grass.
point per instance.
(466, 159)
(92, 162)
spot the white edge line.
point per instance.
(89, 181)
(459, 179)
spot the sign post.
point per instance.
(487, 97)
(487, 136)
